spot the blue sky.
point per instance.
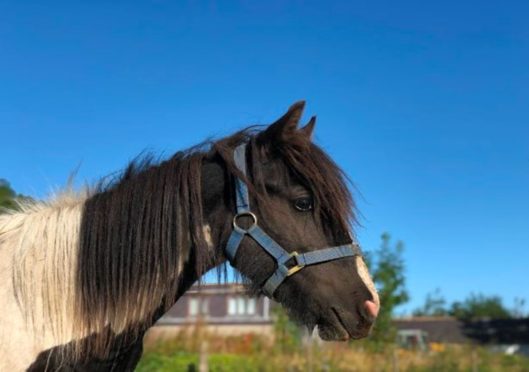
(425, 105)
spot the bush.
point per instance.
(152, 362)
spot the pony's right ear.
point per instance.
(286, 126)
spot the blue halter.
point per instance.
(280, 255)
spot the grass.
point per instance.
(255, 353)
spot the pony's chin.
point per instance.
(334, 329)
(329, 332)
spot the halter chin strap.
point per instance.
(287, 263)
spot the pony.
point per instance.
(85, 274)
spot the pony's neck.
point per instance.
(87, 267)
(216, 206)
(131, 251)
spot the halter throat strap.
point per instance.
(288, 263)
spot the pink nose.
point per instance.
(372, 308)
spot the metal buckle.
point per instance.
(294, 269)
(244, 214)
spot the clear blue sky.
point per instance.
(424, 104)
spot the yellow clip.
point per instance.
(294, 269)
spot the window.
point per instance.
(232, 306)
(250, 306)
(193, 306)
(198, 306)
(241, 306)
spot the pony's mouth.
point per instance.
(335, 328)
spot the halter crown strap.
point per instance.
(241, 190)
(287, 263)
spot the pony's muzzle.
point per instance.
(371, 309)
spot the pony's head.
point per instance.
(299, 198)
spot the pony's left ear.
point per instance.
(286, 127)
(308, 129)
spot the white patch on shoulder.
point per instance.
(39, 244)
(206, 229)
(363, 272)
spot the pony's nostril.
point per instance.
(371, 308)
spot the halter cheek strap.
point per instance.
(287, 263)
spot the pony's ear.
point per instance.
(308, 129)
(286, 126)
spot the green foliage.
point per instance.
(480, 306)
(387, 268)
(518, 310)
(152, 362)
(434, 305)
(8, 196)
(287, 334)
(474, 306)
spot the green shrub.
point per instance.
(152, 362)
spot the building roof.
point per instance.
(484, 331)
(438, 329)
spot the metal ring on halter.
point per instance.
(244, 214)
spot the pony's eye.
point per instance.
(303, 204)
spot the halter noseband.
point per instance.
(280, 255)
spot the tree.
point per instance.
(287, 333)
(479, 306)
(387, 267)
(8, 196)
(518, 310)
(434, 305)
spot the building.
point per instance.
(442, 329)
(226, 309)
(424, 333)
(223, 309)
(505, 335)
